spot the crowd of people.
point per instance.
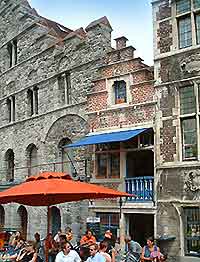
(59, 248)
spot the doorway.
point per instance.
(141, 226)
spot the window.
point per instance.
(187, 100)
(120, 92)
(10, 164)
(32, 96)
(109, 221)
(192, 229)
(189, 138)
(197, 22)
(11, 108)
(65, 159)
(108, 161)
(32, 160)
(196, 4)
(64, 86)
(188, 22)
(183, 6)
(185, 32)
(12, 52)
(189, 116)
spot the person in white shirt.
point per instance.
(95, 256)
(67, 255)
(103, 251)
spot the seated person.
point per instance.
(88, 238)
(151, 252)
(27, 254)
(13, 252)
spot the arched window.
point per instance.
(2, 217)
(32, 160)
(10, 164)
(55, 220)
(120, 92)
(65, 156)
(22, 220)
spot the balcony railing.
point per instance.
(142, 187)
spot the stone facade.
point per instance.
(176, 69)
(46, 72)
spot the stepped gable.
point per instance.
(102, 20)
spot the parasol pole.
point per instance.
(48, 231)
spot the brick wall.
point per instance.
(168, 147)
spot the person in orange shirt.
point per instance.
(88, 238)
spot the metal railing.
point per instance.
(142, 187)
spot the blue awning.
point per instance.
(119, 136)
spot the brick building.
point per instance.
(46, 71)
(176, 69)
(121, 110)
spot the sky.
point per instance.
(129, 18)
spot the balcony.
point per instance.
(142, 187)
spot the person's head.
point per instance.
(88, 233)
(108, 234)
(30, 247)
(103, 246)
(66, 248)
(37, 236)
(59, 231)
(150, 241)
(62, 239)
(20, 243)
(49, 236)
(127, 239)
(17, 235)
(68, 230)
(93, 249)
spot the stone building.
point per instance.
(121, 110)
(177, 79)
(46, 72)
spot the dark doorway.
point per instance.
(23, 216)
(141, 226)
(55, 220)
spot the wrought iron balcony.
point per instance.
(142, 187)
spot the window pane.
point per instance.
(192, 229)
(183, 6)
(187, 100)
(189, 138)
(115, 165)
(120, 92)
(197, 21)
(185, 32)
(196, 3)
(102, 165)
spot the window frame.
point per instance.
(191, 115)
(107, 154)
(120, 91)
(192, 12)
(190, 221)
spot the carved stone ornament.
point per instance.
(191, 64)
(192, 183)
